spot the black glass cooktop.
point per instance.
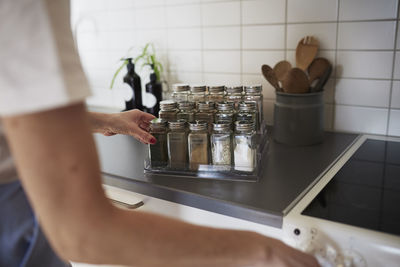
(366, 190)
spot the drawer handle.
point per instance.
(126, 205)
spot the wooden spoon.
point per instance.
(270, 75)
(281, 69)
(296, 82)
(317, 68)
(306, 51)
(322, 80)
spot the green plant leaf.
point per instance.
(118, 71)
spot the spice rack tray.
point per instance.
(216, 172)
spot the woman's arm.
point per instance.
(58, 166)
(132, 122)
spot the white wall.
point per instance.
(216, 42)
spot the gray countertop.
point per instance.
(288, 173)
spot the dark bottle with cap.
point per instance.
(133, 80)
(154, 88)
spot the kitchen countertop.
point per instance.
(288, 173)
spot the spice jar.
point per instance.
(205, 113)
(244, 146)
(234, 95)
(158, 153)
(177, 144)
(216, 93)
(225, 112)
(198, 145)
(254, 93)
(168, 110)
(180, 92)
(198, 93)
(248, 111)
(186, 111)
(221, 144)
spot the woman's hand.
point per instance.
(133, 122)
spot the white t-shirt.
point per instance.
(39, 64)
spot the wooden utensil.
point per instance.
(296, 82)
(306, 51)
(269, 74)
(317, 68)
(322, 80)
(281, 69)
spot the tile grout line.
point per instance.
(203, 75)
(286, 26)
(241, 43)
(335, 68)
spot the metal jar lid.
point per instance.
(244, 126)
(177, 125)
(225, 106)
(158, 123)
(222, 126)
(216, 89)
(234, 89)
(180, 87)
(205, 105)
(248, 106)
(198, 126)
(167, 105)
(198, 88)
(253, 88)
(186, 105)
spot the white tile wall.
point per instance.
(227, 41)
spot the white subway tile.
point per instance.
(312, 10)
(367, 9)
(157, 37)
(114, 40)
(120, 4)
(153, 17)
(398, 38)
(396, 74)
(148, 3)
(178, 2)
(360, 119)
(372, 93)
(264, 37)
(394, 122)
(88, 41)
(263, 11)
(185, 61)
(183, 16)
(325, 33)
(222, 79)
(364, 64)
(366, 35)
(222, 61)
(120, 19)
(185, 77)
(328, 54)
(221, 38)
(268, 89)
(253, 60)
(184, 38)
(395, 95)
(221, 13)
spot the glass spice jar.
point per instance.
(158, 152)
(198, 145)
(234, 95)
(248, 111)
(180, 92)
(177, 144)
(198, 93)
(205, 113)
(254, 93)
(244, 147)
(168, 110)
(221, 144)
(225, 112)
(216, 93)
(186, 111)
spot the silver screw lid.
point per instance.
(186, 105)
(177, 125)
(167, 105)
(248, 106)
(198, 126)
(253, 88)
(244, 126)
(158, 123)
(215, 89)
(222, 126)
(234, 89)
(205, 105)
(198, 88)
(225, 106)
(180, 87)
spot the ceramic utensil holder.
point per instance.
(299, 118)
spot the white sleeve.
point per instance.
(39, 64)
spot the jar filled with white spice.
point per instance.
(221, 144)
(244, 146)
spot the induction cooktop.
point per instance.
(365, 192)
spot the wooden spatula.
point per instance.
(269, 74)
(296, 82)
(281, 69)
(306, 51)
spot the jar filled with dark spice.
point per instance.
(198, 93)
(234, 95)
(248, 111)
(198, 145)
(254, 93)
(186, 111)
(216, 93)
(177, 144)
(221, 144)
(205, 113)
(225, 112)
(158, 153)
(244, 146)
(168, 110)
(180, 92)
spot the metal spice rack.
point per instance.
(217, 172)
